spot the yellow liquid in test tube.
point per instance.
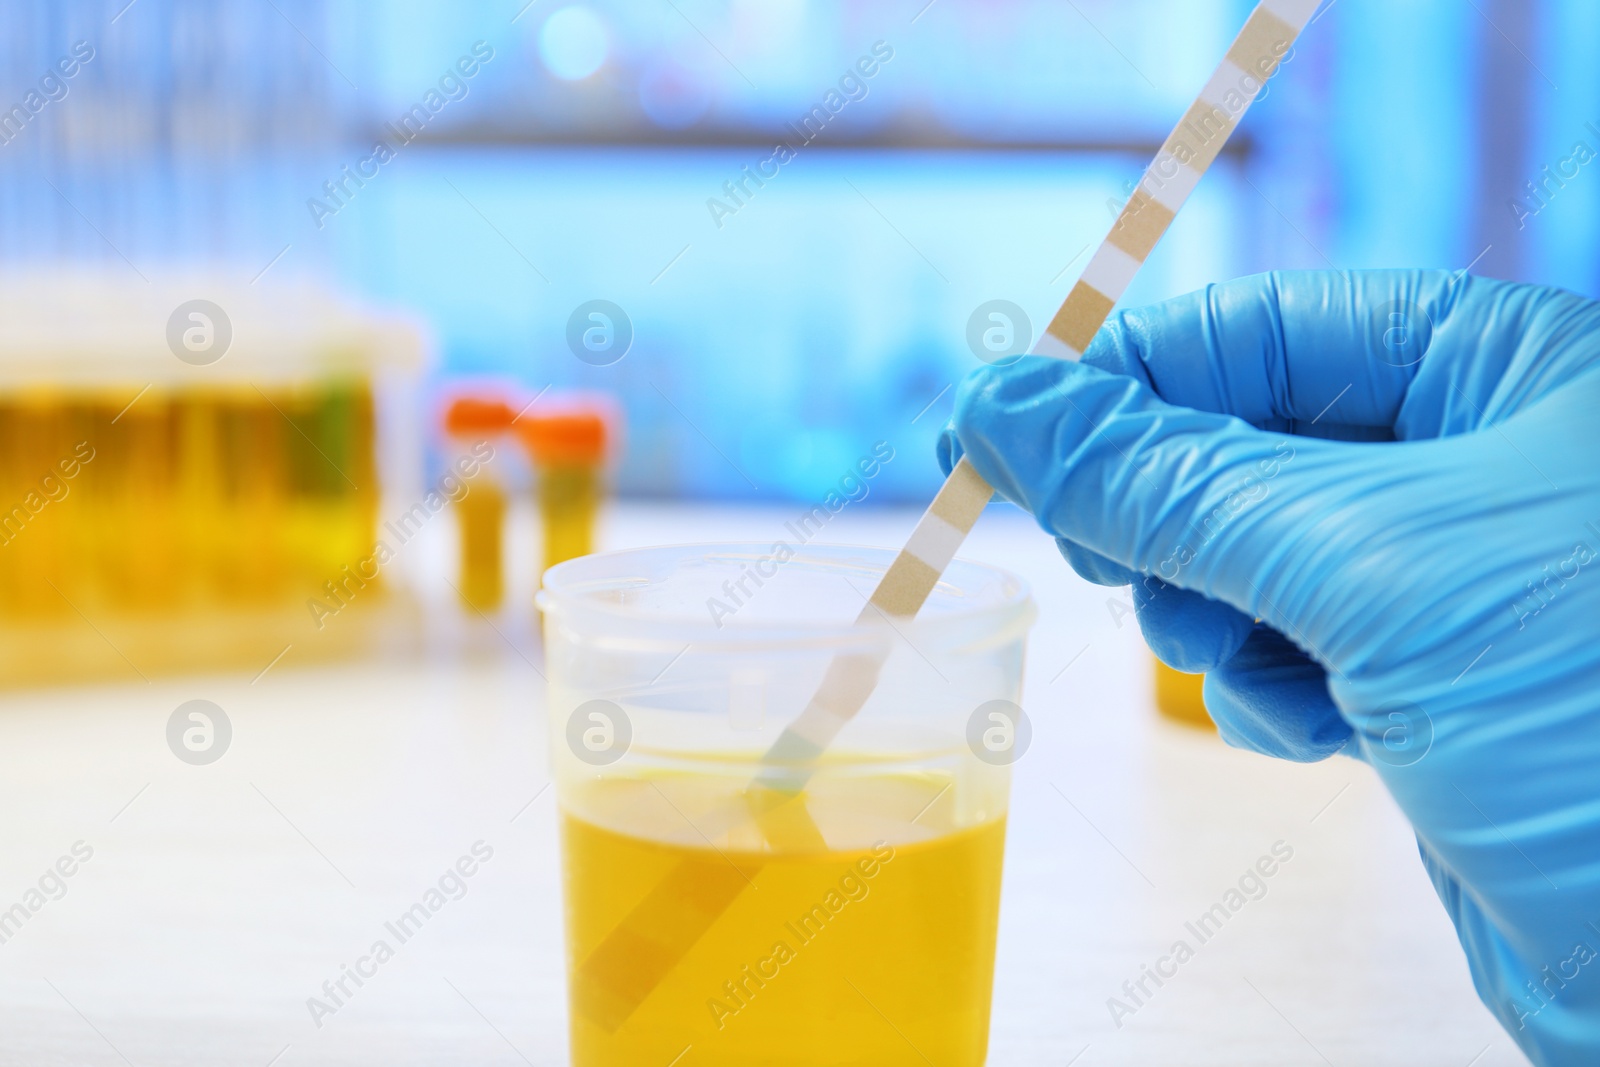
(471, 423)
(332, 493)
(35, 549)
(239, 515)
(137, 476)
(569, 501)
(481, 515)
(568, 448)
(881, 954)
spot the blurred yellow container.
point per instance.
(1178, 696)
(567, 445)
(180, 476)
(474, 426)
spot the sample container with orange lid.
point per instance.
(476, 427)
(567, 441)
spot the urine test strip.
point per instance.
(612, 983)
(1191, 148)
(660, 930)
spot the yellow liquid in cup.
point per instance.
(881, 955)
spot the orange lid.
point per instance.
(576, 435)
(474, 414)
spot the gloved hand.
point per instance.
(1398, 474)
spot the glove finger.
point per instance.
(1318, 353)
(1093, 567)
(1369, 355)
(1273, 698)
(1197, 499)
(1186, 630)
(948, 448)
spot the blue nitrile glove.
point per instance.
(1398, 474)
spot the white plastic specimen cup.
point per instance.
(856, 919)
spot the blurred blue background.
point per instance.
(778, 335)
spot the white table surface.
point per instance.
(219, 898)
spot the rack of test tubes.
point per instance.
(189, 466)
